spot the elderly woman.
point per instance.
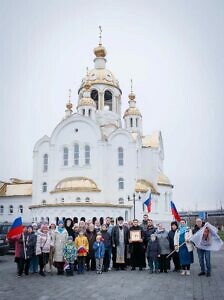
(184, 247)
(162, 236)
(60, 238)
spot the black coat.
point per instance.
(28, 244)
(69, 228)
(115, 235)
(106, 239)
(147, 234)
(153, 249)
(171, 239)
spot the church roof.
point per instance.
(16, 187)
(142, 186)
(76, 184)
(151, 141)
(164, 180)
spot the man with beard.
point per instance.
(137, 249)
(119, 243)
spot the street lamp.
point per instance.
(134, 197)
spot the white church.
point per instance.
(96, 163)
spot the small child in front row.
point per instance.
(99, 250)
(153, 253)
(69, 256)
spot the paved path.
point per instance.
(114, 285)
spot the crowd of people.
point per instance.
(89, 246)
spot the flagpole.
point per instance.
(24, 248)
(175, 250)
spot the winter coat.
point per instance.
(147, 234)
(153, 249)
(144, 225)
(106, 239)
(91, 236)
(99, 249)
(26, 244)
(187, 236)
(162, 237)
(59, 240)
(171, 239)
(69, 252)
(81, 241)
(115, 235)
(44, 242)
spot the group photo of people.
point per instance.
(68, 248)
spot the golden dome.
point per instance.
(87, 85)
(132, 111)
(164, 180)
(142, 186)
(87, 102)
(69, 106)
(100, 51)
(76, 184)
(131, 96)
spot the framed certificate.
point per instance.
(135, 235)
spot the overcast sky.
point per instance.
(173, 50)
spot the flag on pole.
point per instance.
(175, 212)
(16, 228)
(207, 238)
(148, 203)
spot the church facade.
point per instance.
(96, 162)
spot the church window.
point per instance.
(121, 201)
(44, 202)
(76, 154)
(2, 209)
(83, 112)
(78, 199)
(131, 122)
(166, 202)
(87, 200)
(126, 216)
(11, 209)
(62, 200)
(20, 209)
(65, 156)
(120, 156)
(44, 187)
(45, 165)
(95, 97)
(136, 122)
(108, 100)
(121, 183)
(89, 112)
(87, 154)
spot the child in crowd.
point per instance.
(82, 246)
(69, 256)
(153, 253)
(99, 250)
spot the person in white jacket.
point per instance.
(183, 235)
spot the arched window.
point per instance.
(45, 163)
(121, 201)
(20, 209)
(83, 112)
(89, 112)
(108, 100)
(136, 122)
(94, 96)
(121, 183)
(87, 200)
(65, 156)
(131, 122)
(120, 156)
(62, 200)
(11, 209)
(76, 154)
(2, 209)
(126, 216)
(44, 202)
(44, 187)
(87, 154)
(78, 199)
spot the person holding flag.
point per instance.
(183, 245)
(206, 240)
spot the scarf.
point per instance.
(182, 229)
(60, 229)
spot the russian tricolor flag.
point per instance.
(148, 203)
(175, 212)
(16, 228)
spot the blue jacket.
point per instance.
(99, 249)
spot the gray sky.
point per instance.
(173, 50)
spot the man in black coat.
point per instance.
(119, 242)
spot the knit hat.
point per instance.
(30, 226)
(34, 224)
(70, 238)
(60, 222)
